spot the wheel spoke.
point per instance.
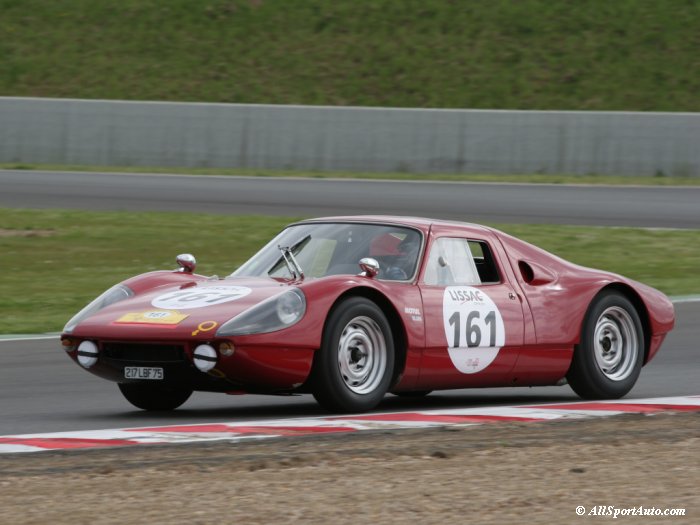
(616, 344)
(362, 355)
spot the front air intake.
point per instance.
(143, 353)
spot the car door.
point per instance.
(473, 316)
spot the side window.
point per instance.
(450, 262)
(455, 261)
(484, 262)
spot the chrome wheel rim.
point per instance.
(616, 344)
(362, 355)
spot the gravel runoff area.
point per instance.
(496, 473)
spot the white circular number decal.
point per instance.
(473, 328)
(199, 297)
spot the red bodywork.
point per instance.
(541, 298)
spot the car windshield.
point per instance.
(321, 249)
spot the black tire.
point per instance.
(414, 394)
(154, 397)
(354, 366)
(609, 357)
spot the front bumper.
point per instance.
(251, 368)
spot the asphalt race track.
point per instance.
(509, 203)
(42, 390)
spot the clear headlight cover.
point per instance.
(275, 313)
(115, 294)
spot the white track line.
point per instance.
(29, 337)
(246, 430)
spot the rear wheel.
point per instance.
(353, 368)
(154, 397)
(609, 357)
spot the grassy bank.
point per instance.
(56, 261)
(613, 180)
(529, 54)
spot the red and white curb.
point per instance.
(238, 431)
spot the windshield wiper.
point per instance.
(291, 262)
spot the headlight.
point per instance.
(275, 313)
(114, 294)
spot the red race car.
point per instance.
(350, 308)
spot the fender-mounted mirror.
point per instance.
(186, 262)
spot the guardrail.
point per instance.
(123, 133)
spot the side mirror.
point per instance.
(369, 267)
(186, 262)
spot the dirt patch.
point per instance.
(505, 473)
(4, 232)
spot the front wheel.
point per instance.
(354, 366)
(609, 357)
(154, 397)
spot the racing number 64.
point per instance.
(473, 330)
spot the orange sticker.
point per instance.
(206, 326)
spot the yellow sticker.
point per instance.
(170, 317)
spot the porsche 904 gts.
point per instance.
(350, 308)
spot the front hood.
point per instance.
(167, 312)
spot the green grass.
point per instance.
(529, 54)
(615, 180)
(77, 254)
(55, 261)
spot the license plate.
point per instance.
(142, 372)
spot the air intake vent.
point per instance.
(143, 353)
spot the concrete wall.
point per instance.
(335, 138)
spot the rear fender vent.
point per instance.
(536, 274)
(526, 272)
